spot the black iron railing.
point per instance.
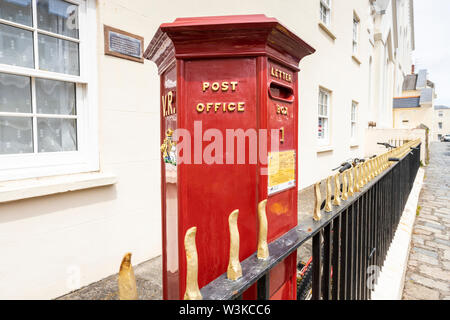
(349, 243)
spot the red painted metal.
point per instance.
(262, 56)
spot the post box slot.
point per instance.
(278, 91)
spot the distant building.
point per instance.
(414, 108)
(441, 121)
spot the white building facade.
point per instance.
(79, 130)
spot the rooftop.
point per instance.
(407, 102)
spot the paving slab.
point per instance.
(428, 275)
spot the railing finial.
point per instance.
(344, 186)
(263, 248)
(328, 204)
(351, 190)
(318, 200)
(127, 280)
(234, 271)
(192, 290)
(337, 190)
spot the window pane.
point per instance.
(16, 46)
(16, 135)
(18, 11)
(58, 16)
(320, 128)
(353, 112)
(15, 93)
(58, 55)
(56, 135)
(55, 97)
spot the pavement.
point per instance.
(428, 270)
(148, 281)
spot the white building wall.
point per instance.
(50, 240)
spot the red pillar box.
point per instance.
(229, 135)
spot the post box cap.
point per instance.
(227, 36)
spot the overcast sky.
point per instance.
(432, 27)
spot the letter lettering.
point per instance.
(215, 87)
(200, 107)
(164, 104)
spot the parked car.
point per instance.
(445, 138)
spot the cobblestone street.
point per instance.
(428, 273)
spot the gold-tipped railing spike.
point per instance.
(234, 271)
(378, 170)
(337, 190)
(127, 280)
(356, 179)
(318, 202)
(328, 204)
(351, 184)
(375, 167)
(372, 169)
(366, 170)
(192, 290)
(344, 186)
(361, 176)
(263, 248)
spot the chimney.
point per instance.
(413, 67)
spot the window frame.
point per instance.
(86, 158)
(325, 141)
(327, 4)
(354, 121)
(356, 26)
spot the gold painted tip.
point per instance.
(318, 200)
(127, 281)
(234, 271)
(126, 261)
(233, 216)
(263, 249)
(190, 234)
(262, 205)
(192, 291)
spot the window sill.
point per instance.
(323, 149)
(39, 187)
(327, 31)
(354, 146)
(356, 59)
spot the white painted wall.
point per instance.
(44, 241)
